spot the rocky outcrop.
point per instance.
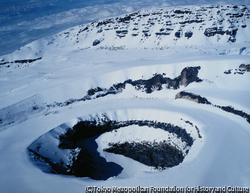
(245, 67)
(219, 21)
(189, 75)
(96, 42)
(241, 70)
(164, 28)
(156, 83)
(191, 97)
(230, 109)
(215, 30)
(20, 61)
(159, 155)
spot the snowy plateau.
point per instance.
(152, 98)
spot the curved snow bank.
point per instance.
(80, 147)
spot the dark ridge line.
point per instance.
(187, 76)
(218, 30)
(203, 100)
(159, 155)
(197, 129)
(21, 61)
(242, 68)
(230, 109)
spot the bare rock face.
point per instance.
(189, 74)
(159, 155)
(192, 97)
(163, 28)
(156, 83)
(245, 67)
(198, 99)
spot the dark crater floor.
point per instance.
(159, 155)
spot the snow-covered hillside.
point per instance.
(152, 98)
(159, 29)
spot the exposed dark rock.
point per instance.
(228, 71)
(93, 91)
(121, 31)
(198, 131)
(224, 21)
(188, 122)
(82, 30)
(246, 67)
(192, 97)
(236, 15)
(159, 155)
(215, 30)
(182, 12)
(188, 34)
(87, 129)
(3, 63)
(162, 33)
(234, 111)
(147, 34)
(189, 75)
(27, 60)
(242, 68)
(96, 42)
(191, 21)
(22, 61)
(178, 34)
(105, 22)
(125, 19)
(35, 107)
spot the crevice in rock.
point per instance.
(21, 61)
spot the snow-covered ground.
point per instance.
(35, 105)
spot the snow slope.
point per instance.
(43, 86)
